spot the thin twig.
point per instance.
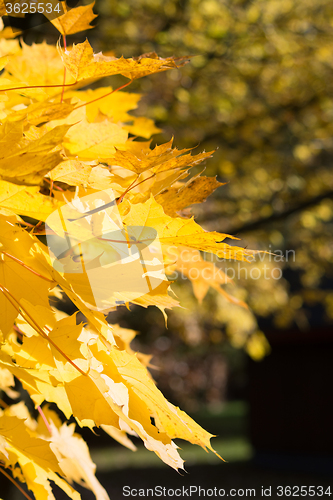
(15, 303)
(39, 87)
(128, 189)
(64, 81)
(105, 95)
(19, 332)
(15, 483)
(46, 422)
(133, 187)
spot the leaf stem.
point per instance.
(36, 226)
(133, 187)
(15, 303)
(53, 186)
(105, 95)
(18, 331)
(27, 267)
(144, 180)
(39, 87)
(46, 422)
(125, 192)
(65, 69)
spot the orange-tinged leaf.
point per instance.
(202, 273)
(83, 64)
(196, 190)
(160, 159)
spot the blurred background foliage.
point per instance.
(259, 90)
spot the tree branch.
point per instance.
(253, 225)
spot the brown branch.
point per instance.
(15, 483)
(252, 226)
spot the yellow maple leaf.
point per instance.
(87, 175)
(41, 112)
(27, 200)
(22, 267)
(178, 231)
(83, 64)
(142, 127)
(46, 74)
(7, 383)
(77, 142)
(36, 375)
(114, 105)
(75, 20)
(25, 160)
(90, 141)
(38, 464)
(72, 453)
(133, 394)
(119, 436)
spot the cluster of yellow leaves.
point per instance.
(57, 144)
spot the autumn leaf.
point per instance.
(89, 141)
(160, 159)
(45, 74)
(142, 127)
(22, 269)
(38, 464)
(75, 20)
(41, 112)
(104, 101)
(181, 232)
(27, 161)
(83, 64)
(26, 200)
(196, 190)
